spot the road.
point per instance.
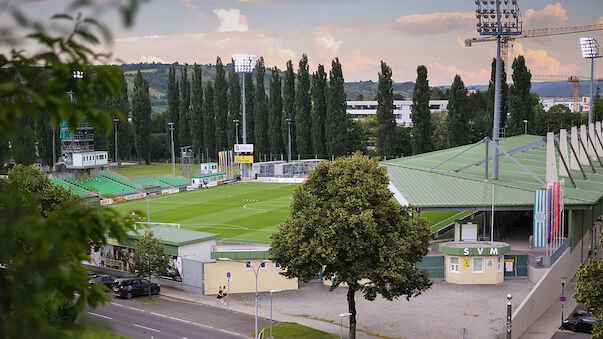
(170, 319)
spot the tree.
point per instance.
(184, 131)
(197, 111)
(386, 121)
(480, 120)
(234, 106)
(209, 127)
(23, 146)
(420, 114)
(249, 111)
(141, 117)
(149, 257)
(221, 107)
(457, 121)
(589, 290)
(319, 113)
(521, 103)
(438, 94)
(359, 97)
(173, 99)
(338, 121)
(275, 114)
(303, 105)
(260, 111)
(345, 221)
(504, 97)
(121, 104)
(289, 107)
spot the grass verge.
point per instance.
(297, 331)
(87, 332)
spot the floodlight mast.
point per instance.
(590, 50)
(488, 26)
(243, 63)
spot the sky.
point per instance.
(361, 33)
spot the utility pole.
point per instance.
(289, 126)
(171, 124)
(115, 121)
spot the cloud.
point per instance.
(327, 45)
(231, 20)
(151, 59)
(539, 61)
(431, 24)
(481, 75)
(356, 62)
(549, 16)
(335, 28)
(194, 8)
(600, 21)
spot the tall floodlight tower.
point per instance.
(243, 63)
(500, 19)
(590, 50)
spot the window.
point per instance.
(478, 265)
(277, 266)
(263, 265)
(454, 264)
(499, 266)
(248, 265)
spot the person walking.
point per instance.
(220, 295)
(224, 295)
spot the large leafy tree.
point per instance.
(521, 102)
(589, 289)
(345, 221)
(420, 115)
(249, 108)
(260, 111)
(289, 107)
(173, 100)
(221, 106)
(387, 143)
(209, 125)
(319, 112)
(303, 105)
(275, 114)
(197, 111)
(141, 117)
(184, 135)
(457, 122)
(234, 106)
(149, 257)
(504, 91)
(337, 122)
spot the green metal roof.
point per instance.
(174, 236)
(442, 188)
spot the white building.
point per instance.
(402, 109)
(581, 106)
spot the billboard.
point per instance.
(243, 148)
(243, 159)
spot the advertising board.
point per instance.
(243, 148)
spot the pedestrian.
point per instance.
(225, 295)
(220, 295)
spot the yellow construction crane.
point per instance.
(532, 33)
(574, 79)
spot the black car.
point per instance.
(580, 321)
(106, 280)
(132, 287)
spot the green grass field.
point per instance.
(152, 170)
(297, 331)
(246, 211)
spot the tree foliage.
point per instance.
(319, 111)
(420, 114)
(141, 118)
(289, 106)
(589, 289)
(249, 109)
(303, 105)
(197, 111)
(344, 221)
(338, 123)
(260, 111)
(173, 99)
(149, 258)
(220, 107)
(504, 97)
(209, 127)
(387, 143)
(521, 102)
(458, 124)
(234, 106)
(184, 135)
(275, 114)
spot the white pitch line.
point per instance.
(116, 304)
(100, 315)
(229, 332)
(183, 320)
(147, 328)
(159, 314)
(136, 309)
(202, 325)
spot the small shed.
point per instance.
(474, 262)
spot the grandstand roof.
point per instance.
(174, 236)
(443, 188)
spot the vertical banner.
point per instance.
(548, 213)
(540, 217)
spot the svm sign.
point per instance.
(457, 248)
(480, 251)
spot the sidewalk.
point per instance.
(263, 312)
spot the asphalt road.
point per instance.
(170, 319)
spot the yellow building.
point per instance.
(241, 264)
(474, 262)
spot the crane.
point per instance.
(532, 33)
(574, 79)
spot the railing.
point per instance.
(559, 251)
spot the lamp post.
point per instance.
(115, 121)
(236, 121)
(501, 23)
(525, 127)
(590, 50)
(272, 292)
(171, 124)
(509, 324)
(341, 316)
(289, 126)
(562, 295)
(243, 63)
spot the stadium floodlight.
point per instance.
(243, 63)
(78, 74)
(590, 50)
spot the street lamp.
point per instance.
(115, 121)
(509, 324)
(341, 316)
(171, 124)
(271, 292)
(590, 50)
(500, 22)
(525, 127)
(243, 63)
(236, 121)
(562, 301)
(289, 125)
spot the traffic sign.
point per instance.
(562, 299)
(227, 279)
(227, 274)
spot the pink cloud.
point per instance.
(431, 24)
(356, 62)
(540, 62)
(481, 75)
(549, 16)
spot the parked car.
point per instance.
(106, 280)
(132, 287)
(580, 321)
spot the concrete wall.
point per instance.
(242, 280)
(546, 291)
(490, 275)
(199, 251)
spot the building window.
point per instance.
(262, 265)
(248, 265)
(454, 264)
(277, 266)
(478, 265)
(499, 266)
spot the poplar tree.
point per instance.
(184, 135)
(173, 99)
(386, 121)
(422, 128)
(504, 98)
(275, 114)
(319, 113)
(458, 110)
(337, 120)
(221, 107)
(234, 107)
(197, 122)
(141, 117)
(289, 107)
(120, 102)
(249, 108)
(260, 111)
(209, 127)
(303, 105)
(521, 103)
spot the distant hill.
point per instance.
(549, 88)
